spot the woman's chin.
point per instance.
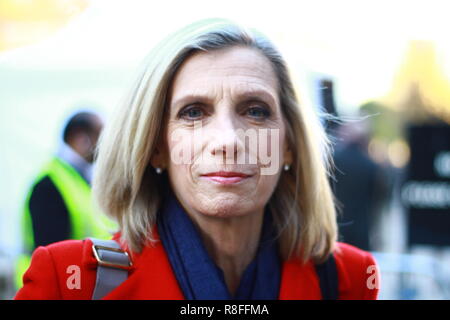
(224, 207)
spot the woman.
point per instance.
(218, 180)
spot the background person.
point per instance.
(59, 204)
(361, 186)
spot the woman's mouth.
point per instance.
(226, 177)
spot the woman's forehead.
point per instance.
(243, 69)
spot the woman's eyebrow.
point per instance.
(189, 98)
(256, 94)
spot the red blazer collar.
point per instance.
(152, 277)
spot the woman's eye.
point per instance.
(193, 113)
(258, 112)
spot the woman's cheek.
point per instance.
(267, 184)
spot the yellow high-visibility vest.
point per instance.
(85, 218)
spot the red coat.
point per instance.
(152, 278)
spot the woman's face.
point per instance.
(225, 135)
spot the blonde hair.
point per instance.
(127, 188)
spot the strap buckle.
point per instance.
(111, 264)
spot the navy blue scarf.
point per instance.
(197, 274)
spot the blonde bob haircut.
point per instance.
(127, 188)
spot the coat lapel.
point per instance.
(152, 278)
(299, 281)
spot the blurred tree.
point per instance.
(421, 90)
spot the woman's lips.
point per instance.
(224, 177)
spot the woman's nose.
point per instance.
(226, 141)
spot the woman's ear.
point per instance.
(287, 156)
(159, 159)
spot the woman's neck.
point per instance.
(231, 242)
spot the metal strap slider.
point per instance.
(125, 264)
